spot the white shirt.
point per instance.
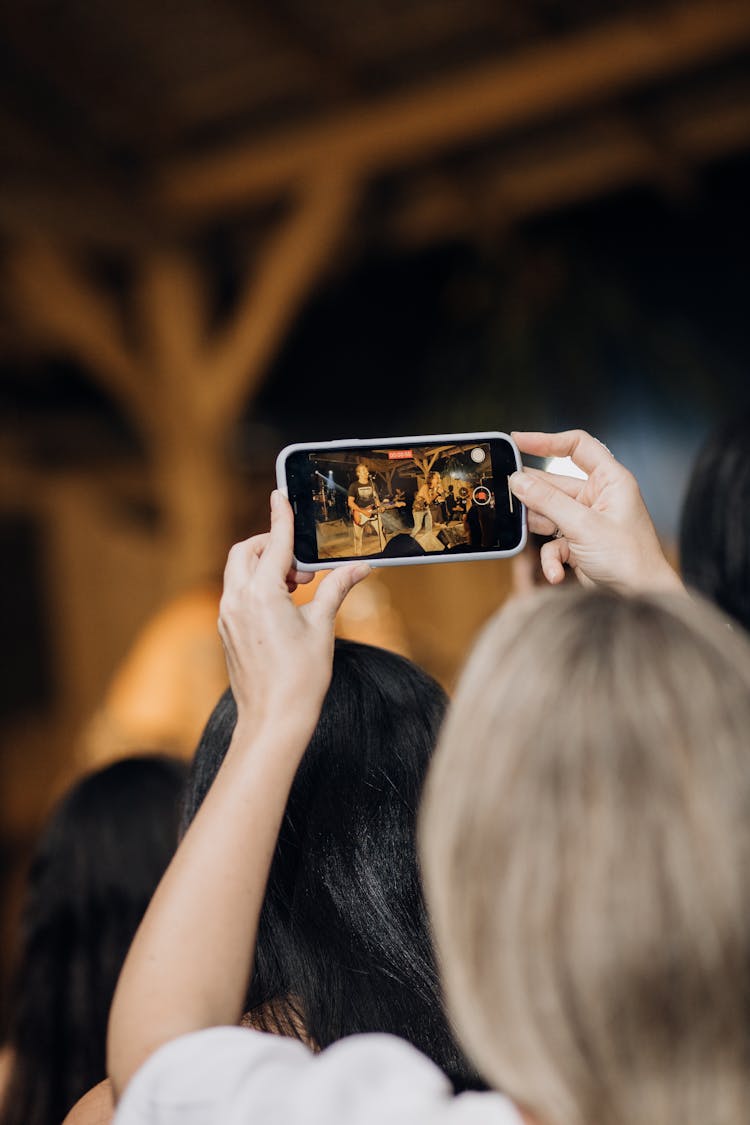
(235, 1076)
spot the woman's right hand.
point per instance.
(279, 656)
(602, 526)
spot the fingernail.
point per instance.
(275, 497)
(361, 571)
(519, 483)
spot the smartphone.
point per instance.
(403, 501)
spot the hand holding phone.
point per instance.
(399, 501)
(602, 528)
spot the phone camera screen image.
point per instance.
(404, 500)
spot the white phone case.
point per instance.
(428, 439)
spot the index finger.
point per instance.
(584, 450)
(571, 486)
(545, 499)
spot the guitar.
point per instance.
(361, 516)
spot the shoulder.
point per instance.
(97, 1107)
(233, 1075)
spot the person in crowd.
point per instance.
(715, 526)
(585, 861)
(97, 863)
(343, 939)
(584, 845)
(402, 546)
(473, 526)
(426, 507)
(462, 503)
(427, 512)
(450, 502)
(436, 494)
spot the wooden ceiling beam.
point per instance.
(63, 308)
(279, 281)
(543, 81)
(70, 216)
(332, 73)
(706, 135)
(602, 158)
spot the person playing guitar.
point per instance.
(427, 509)
(364, 506)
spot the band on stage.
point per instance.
(437, 516)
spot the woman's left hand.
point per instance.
(279, 656)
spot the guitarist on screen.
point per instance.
(363, 504)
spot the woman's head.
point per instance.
(715, 530)
(98, 861)
(586, 848)
(343, 943)
(434, 480)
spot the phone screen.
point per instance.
(404, 499)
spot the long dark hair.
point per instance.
(343, 942)
(99, 860)
(715, 530)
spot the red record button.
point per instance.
(481, 495)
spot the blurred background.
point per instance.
(230, 224)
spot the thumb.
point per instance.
(333, 589)
(276, 560)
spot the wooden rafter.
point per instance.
(549, 79)
(710, 131)
(174, 353)
(61, 305)
(183, 387)
(279, 280)
(172, 313)
(601, 156)
(329, 69)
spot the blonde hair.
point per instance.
(585, 840)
